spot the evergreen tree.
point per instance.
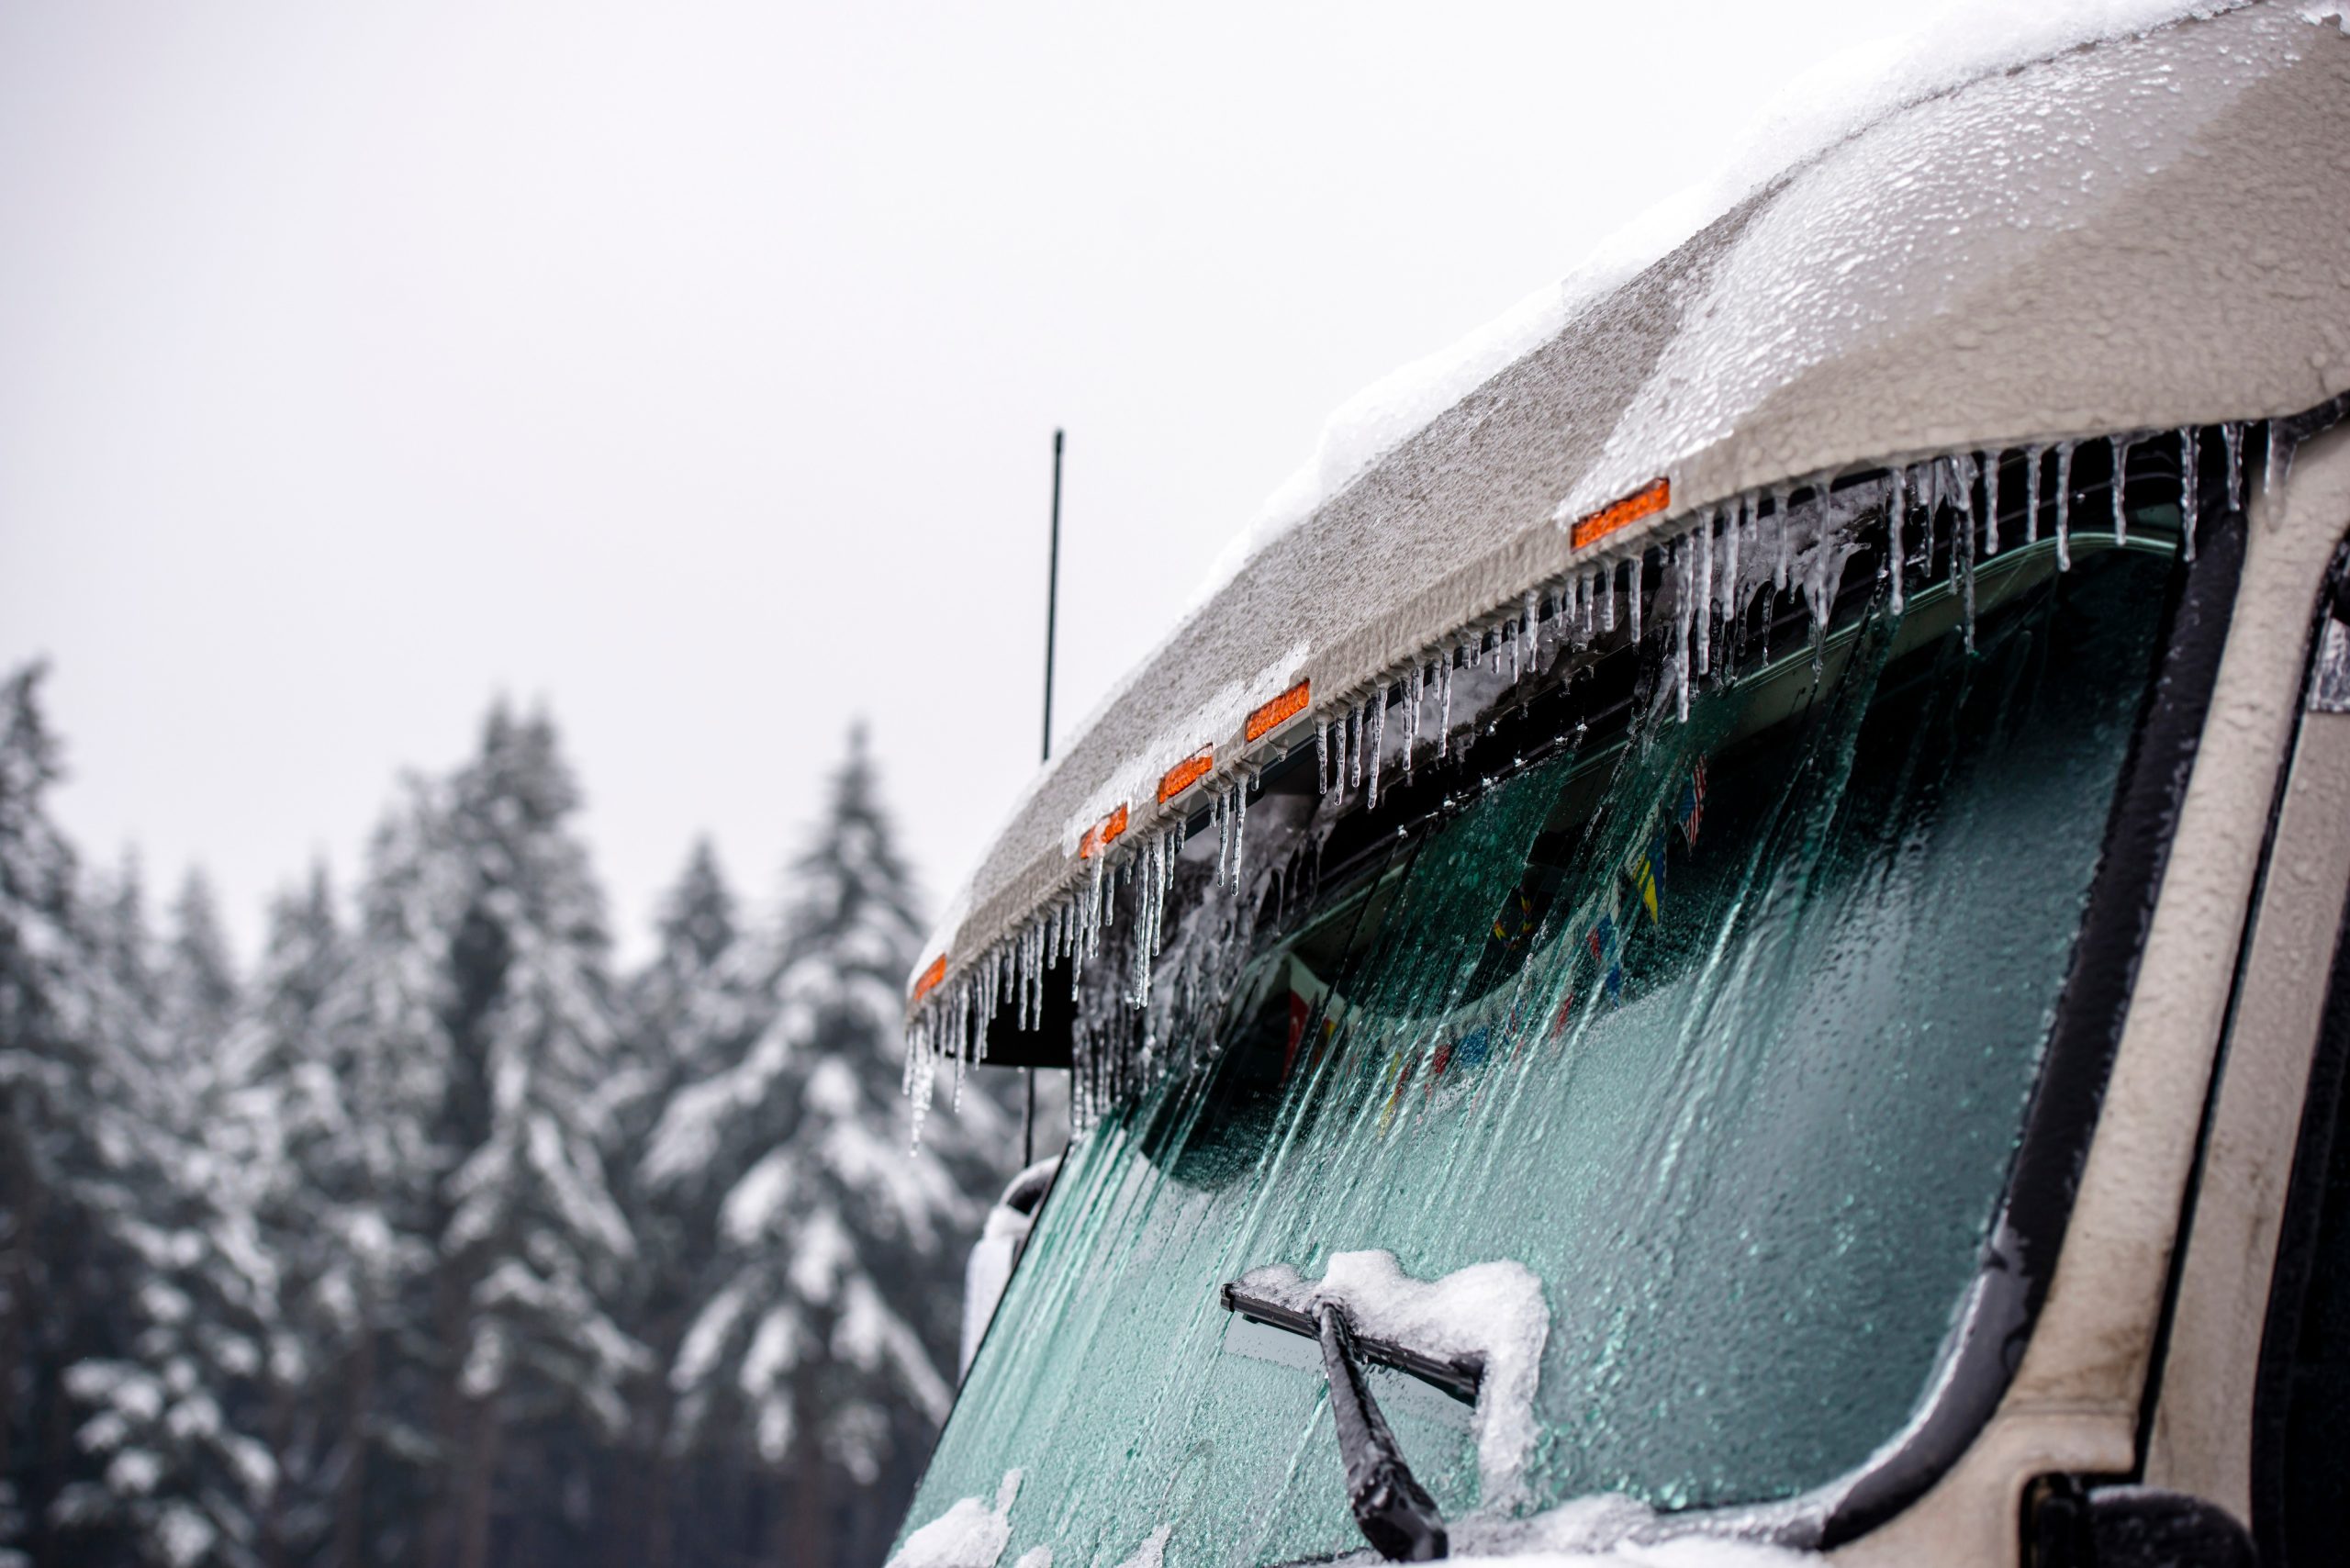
(831, 1308)
(196, 999)
(287, 1125)
(529, 1242)
(116, 1444)
(689, 1014)
(380, 1027)
(190, 1342)
(125, 988)
(52, 1262)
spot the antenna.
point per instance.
(1052, 614)
(1052, 597)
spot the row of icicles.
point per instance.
(1717, 562)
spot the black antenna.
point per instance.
(1052, 611)
(1052, 597)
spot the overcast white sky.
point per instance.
(692, 367)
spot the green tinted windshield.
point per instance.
(1725, 1031)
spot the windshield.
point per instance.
(1719, 1037)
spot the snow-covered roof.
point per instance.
(2124, 229)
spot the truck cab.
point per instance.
(1738, 946)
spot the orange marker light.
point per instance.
(929, 979)
(1097, 839)
(1185, 774)
(1647, 501)
(1287, 706)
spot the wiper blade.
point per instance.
(1459, 1376)
(1392, 1508)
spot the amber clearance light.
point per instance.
(1647, 501)
(929, 979)
(1281, 708)
(1185, 774)
(1097, 839)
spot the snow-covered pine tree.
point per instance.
(196, 998)
(689, 1012)
(126, 995)
(167, 1403)
(687, 1009)
(531, 1243)
(54, 1265)
(116, 1447)
(381, 1026)
(288, 1128)
(832, 1309)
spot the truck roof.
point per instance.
(2138, 232)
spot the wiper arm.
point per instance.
(1390, 1508)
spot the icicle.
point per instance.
(1681, 579)
(1414, 685)
(1896, 507)
(1606, 582)
(2121, 445)
(1379, 736)
(1527, 629)
(2064, 506)
(2231, 437)
(1222, 840)
(1322, 756)
(1138, 989)
(1444, 700)
(1962, 542)
(2032, 455)
(2268, 461)
(1732, 600)
(1991, 504)
(1032, 979)
(1926, 492)
(1820, 579)
(2189, 461)
(1350, 759)
(1702, 594)
(1240, 820)
(1779, 573)
(1634, 570)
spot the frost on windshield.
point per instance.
(1716, 1015)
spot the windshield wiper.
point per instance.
(1392, 1508)
(1459, 1376)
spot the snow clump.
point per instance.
(1493, 1311)
(968, 1535)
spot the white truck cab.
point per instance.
(1740, 942)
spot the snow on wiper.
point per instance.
(1490, 1314)
(1459, 1376)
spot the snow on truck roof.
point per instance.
(2111, 216)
